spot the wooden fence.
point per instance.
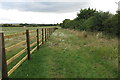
(45, 34)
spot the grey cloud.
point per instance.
(45, 6)
(43, 0)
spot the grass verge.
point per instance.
(67, 54)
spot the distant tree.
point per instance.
(66, 23)
(7, 25)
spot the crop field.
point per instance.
(67, 54)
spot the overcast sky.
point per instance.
(49, 11)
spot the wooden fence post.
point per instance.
(42, 36)
(37, 38)
(3, 64)
(45, 34)
(28, 43)
(48, 32)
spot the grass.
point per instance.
(12, 30)
(14, 40)
(67, 54)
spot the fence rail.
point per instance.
(45, 34)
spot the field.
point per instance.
(12, 30)
(67, 54)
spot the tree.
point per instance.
(66, 23)
(92, 20)
(7, 25)
(111, 24)
(86, 13)
(95, 23)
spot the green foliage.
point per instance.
(95, 23)
(66, 23)
(92, 20)
(88, 24)
(27, 25)
(6, 25)
(111, 25)
(85, 13)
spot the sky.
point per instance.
(49, 11)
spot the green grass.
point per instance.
(14, 40)
(12, 30)
(67, 54)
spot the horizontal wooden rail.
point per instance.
(17, 65)
(15, 56)
(18, 34)
(40, 34)
(13, 35)
(33, 50)
(32, 31)
(40, 39)
(9, 48)
(33, 43)
(40, 44)
(33, 37)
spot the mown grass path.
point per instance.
(68, 55)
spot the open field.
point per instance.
(67, 54)
(12, 30)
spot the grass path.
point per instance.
(68, 55)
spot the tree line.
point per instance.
(93, 20)
(27, 25)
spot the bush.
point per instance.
(92, 20)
